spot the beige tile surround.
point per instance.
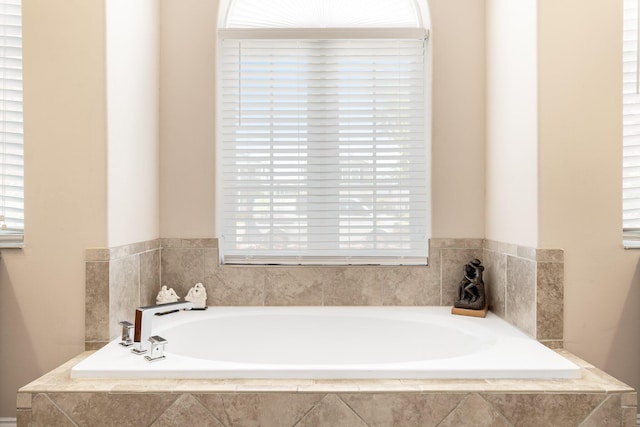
(594, 400)
(524, 284)
(117, 280)
(525, 287)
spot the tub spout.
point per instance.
(142, 327)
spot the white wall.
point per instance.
(132, 36)
(42, 285)
(580, 201)
(512, 122)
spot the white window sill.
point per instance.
(631, 244)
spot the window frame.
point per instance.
(325, 34)
(12, 127)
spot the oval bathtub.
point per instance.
(332, 342)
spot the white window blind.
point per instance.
(324, 152)
(323, 14)
(11, 127)
(631, 123)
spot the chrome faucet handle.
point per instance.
(127, 333)
(144, 315)
(157, 348)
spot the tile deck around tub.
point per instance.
(595, 399)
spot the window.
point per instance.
(631, 125)
(324, 154)
(11, 134)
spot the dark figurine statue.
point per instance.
(471, 293)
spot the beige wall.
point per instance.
(133, 114)
(578, 167)
(554, 174)
(512, 122)
(458, 118)
(580, 180)
(187, 118)
(42, 286)
(91, 175)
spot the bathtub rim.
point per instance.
(181, 367)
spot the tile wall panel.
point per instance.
(524, 285)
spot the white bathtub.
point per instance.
(332, 342)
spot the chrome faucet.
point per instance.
(142, 329)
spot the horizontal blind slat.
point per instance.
(631, 118)
(323, 148)
(11, 122)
